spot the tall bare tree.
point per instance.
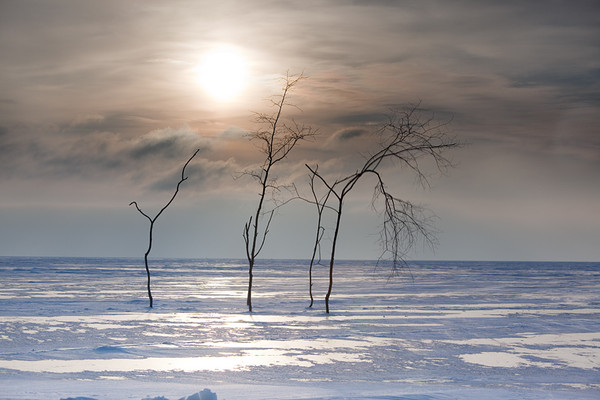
(276, 139)
(153, 220)
(406, 140)
(320, 204)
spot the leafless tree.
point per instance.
(406, 140)
(275, 138)
(320, 204)
(153, 220)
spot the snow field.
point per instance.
(75, 327)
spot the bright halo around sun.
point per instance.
(223, 73)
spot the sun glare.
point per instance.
(223, 73)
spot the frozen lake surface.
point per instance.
(81, 327)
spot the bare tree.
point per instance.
(276, 139)
(320, 204)
(153, 220)
(406, 140)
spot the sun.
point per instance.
(223, 73)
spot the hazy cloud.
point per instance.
(97, 154)
(121, 122)
(105, 94)
(166, 143)
(346, 138)
(233, 132)
(348, 134)
(205, 175)
(372, 119)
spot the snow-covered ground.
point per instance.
(76, 327)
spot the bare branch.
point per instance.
(405, 140)
(265, 232)
(141, 212)
(275, 139)
(183, 178)
(153, 220)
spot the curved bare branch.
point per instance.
(405, 140)
(153, 220)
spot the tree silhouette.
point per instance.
(320, 204)
(153, 220)
(405, 140)
(276, 139)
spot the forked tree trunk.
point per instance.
(153, 220)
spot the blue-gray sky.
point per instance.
(101, 104)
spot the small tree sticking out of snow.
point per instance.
(275, 140)
(153, 220)
(320, 203)
(405, 141)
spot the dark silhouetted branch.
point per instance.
(153, 220)
(275, 140)
(405, 140)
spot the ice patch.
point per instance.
(249, 358)
(575, 350)
(496, 359)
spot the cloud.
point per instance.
(375, 118)
(348, 134)
(95, 153)
(205, 175)
(166, 143)
(233, 132)
(118, 107)
(346, 137)
(125, 123)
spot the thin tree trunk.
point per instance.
(146, 262)
(253, 251)
(250, 276)
(148, 273)
(312, 260)
(332, 260)
(310, 284)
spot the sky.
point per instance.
(101, 104)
